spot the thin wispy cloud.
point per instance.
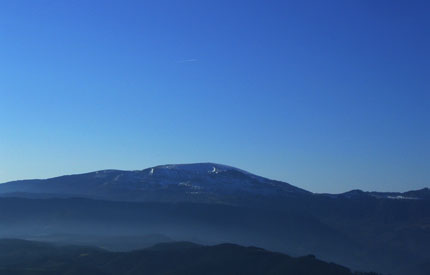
(188, 60)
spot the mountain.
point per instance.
(209, 203)
(200, 182)
(422, 194)
(197, 182)
(24, 257)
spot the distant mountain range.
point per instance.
(212, 203)
(199, 182)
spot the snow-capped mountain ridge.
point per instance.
(174, 181)
(198, 168)
(179, 182)
(423, 193)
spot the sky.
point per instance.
(326, 95)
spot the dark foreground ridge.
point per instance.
(31, 258)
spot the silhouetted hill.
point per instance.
(24, 257)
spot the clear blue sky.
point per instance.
(327, 95)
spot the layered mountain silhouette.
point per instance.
(211, 203)
(25, 257)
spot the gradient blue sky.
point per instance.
(327, 95)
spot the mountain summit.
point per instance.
(172, 182)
